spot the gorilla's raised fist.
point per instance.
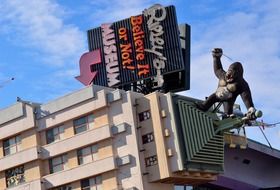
(217, 52)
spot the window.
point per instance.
(15, 176)
(58, 163)
(144, 115)
(87, 154)
(94, 183)
(83, 123)
(12, 145)
(148, 138)
(55, 134)
(150, 161)
(64, 187)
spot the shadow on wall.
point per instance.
(121, 140)
(125, 171)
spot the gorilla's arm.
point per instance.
(218, 68)
(246, 95)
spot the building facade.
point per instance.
(95, 138)
(99, 138)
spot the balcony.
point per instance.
(75, 142)
(16, 119)
(19, 158)
(69, 107)
(36, 184)
(80, 172)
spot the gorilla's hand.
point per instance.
(217, 52)
(251, 113)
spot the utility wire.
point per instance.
(228, 57)
(266, 138)
(3, 83)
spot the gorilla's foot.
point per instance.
(200, 106)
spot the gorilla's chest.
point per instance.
(225, 90)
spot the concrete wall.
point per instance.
(19, 121)
(2, 180)
(254, 167)
(11, 113)
(155, 124)
(109, 180)
(32, 170)
(29, 139)
(171, 133)
(51, 119)
(122, 110)
(65, 102)
(144, 104)
(32, 174)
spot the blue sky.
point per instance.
(42, 41)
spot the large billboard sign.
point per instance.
(140, 50)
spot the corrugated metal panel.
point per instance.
(95, 42)
(203, 148)
(185, 36)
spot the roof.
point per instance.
(252, 144)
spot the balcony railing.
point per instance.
(36, 184)
(80, 172)
(19, 158)
(75, 142)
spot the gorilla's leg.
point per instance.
(212, 99)
(228, 107)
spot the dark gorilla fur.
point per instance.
(231, 84)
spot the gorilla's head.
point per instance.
(234, 73)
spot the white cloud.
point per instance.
(39, 25)
(111, 11)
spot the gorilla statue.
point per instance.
(231, 84)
